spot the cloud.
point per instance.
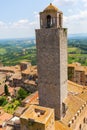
(75, 19)
(75, 14)
(3, 24)
(23, 23)
(76, 23)
(80, 17)
(85, 3)
(18, 29)
(65, 2)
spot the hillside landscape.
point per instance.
(13, 51)
(77, 50)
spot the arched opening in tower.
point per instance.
(49, 21)
(60, 20)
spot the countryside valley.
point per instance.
(13, 51)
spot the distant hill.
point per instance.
(78, 36)
(13, 51)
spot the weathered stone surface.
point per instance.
(52, 67)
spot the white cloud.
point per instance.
(81, 16)
(85, 3)
(76, 23)
(75, 19)
(20, 28)
(65, 2)
(3, 24)
(75, 14)
(23, 23)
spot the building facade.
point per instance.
(77, 73)
(38, 118)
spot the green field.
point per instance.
(12, 52)
(73, 50)
(2, 51)
(82, 58)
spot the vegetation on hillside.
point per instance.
(77, 50)
(12, 52)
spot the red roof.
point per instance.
(5, 117)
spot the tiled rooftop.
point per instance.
(10, 68)
(19, 111)
(16, 76)
(72, 101)
(37, 113)
(75, 88)
(5, 117)
(76, 97)
(78, 67)
(83, 96)
(60, 126)
(31, 99)
(30, 82)
(51, 7)
(31, 70)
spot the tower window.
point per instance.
(49, 21)
(41, 22)
(60, 20)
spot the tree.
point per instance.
(3, 101)
(6, 90)
(22, 94)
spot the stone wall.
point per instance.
(52, 67)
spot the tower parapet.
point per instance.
(51, 17)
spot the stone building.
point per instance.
(30, 73)
(51, 42)
(24, 65)
(38, 118)
(74, 119)
(2, 78)
(77, 73)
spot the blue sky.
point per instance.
(19, 18)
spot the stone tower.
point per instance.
(51, 42)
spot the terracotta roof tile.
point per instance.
(60, 126)
(72, 101)
(51, 7)
(75, 88)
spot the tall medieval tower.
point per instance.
(51, 42)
